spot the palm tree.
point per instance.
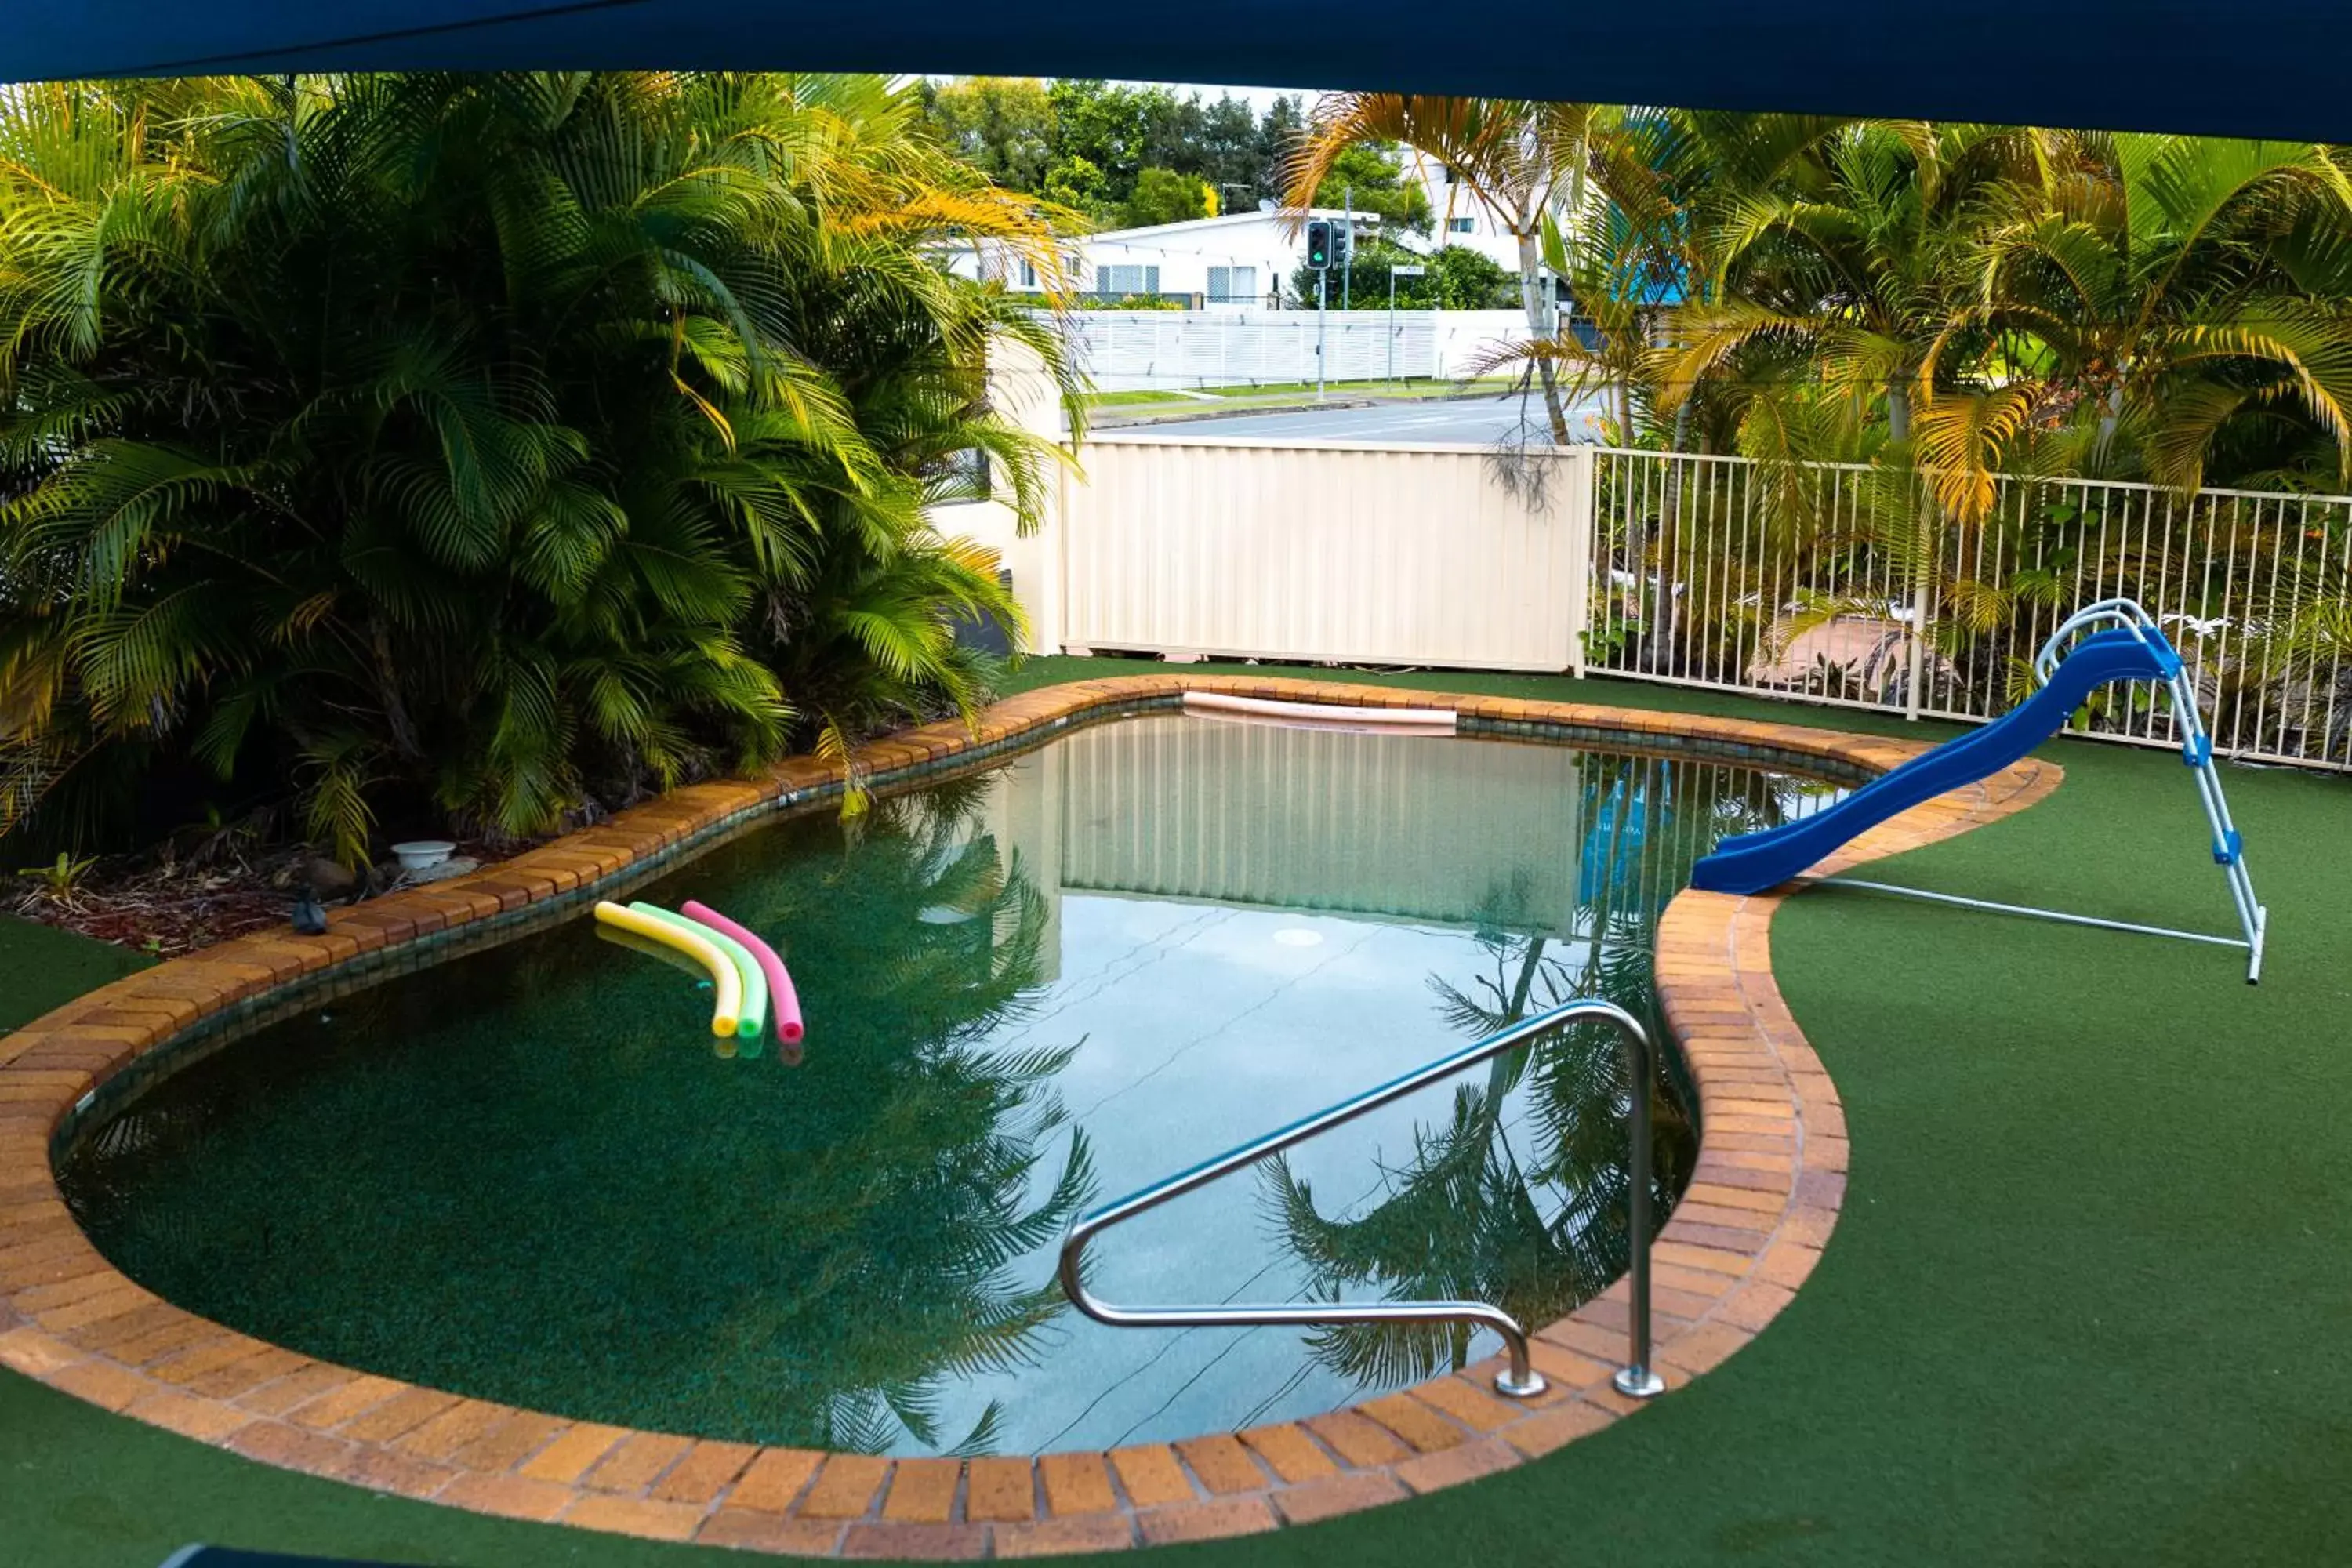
(1642, 243)
(2186, 296)
(482, 446)
(2036, 302)
(1837, 254)
(1620, 241)
(1521, 159)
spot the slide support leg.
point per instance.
(2228, 849)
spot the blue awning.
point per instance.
(2257, 68)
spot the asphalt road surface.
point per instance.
(1478, 422)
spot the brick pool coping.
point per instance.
(1763, 1198)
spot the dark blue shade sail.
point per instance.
(2256, 67)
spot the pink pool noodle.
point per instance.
(784, 1002)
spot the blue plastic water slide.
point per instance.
(1755, 862)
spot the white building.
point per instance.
(1232, 263)
(1459, 218)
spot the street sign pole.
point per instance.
(1322, 316)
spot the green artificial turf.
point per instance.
(41, 966)
(2085, 1304)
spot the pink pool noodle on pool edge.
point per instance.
(784, 1002)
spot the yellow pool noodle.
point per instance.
(674, 958)
(751, 1014)
(725, 983)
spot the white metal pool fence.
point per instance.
(1840, 584)
(1830, 584)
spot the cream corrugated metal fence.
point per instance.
(1396, 554)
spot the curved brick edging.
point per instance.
(1763, 1198)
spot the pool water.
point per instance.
(529, 1176)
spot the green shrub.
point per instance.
(482, 446)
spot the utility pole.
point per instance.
(1318, 258)
(1347, 202)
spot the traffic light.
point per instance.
(1319, 244)
(1343, 239)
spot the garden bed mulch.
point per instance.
(164, 905)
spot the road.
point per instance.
(1478, 422)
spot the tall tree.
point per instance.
(1228, 151)
(1163, 196)
(1092, 141)
(1002, 126)
(1372, 180)
(1280, 131)
(1103, 125)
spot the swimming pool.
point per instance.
(525, 1176)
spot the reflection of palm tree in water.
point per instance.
(806, 1256)
(903, 1224)
(1468, 1215)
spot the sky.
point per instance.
(1260, 99)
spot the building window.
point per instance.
(1118, 282)
(1461, 225)
(1028, 276)
(1233, 285)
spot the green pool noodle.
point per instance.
(754, 1015)
(726, 986)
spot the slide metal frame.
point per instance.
(2196, 751)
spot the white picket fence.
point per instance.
(1135, 351)
(1828, 584)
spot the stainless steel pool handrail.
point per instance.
(1519, 1379)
